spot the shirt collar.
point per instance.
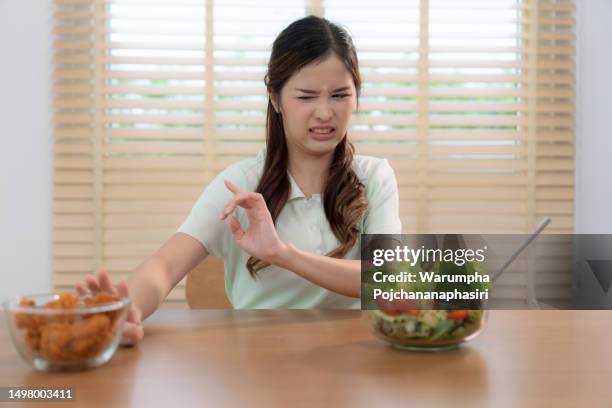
(295, 190)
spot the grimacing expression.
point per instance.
(316, 104)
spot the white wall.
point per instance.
(594, 112)
(25, 147)
(26, 144)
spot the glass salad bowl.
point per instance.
(64, 332)
(424, 317)
(427, 330)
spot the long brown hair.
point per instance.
(304, 41)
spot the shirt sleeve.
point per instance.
(382, 216)
(204, 221)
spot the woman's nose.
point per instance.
(323, 111)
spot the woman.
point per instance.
(287, 222)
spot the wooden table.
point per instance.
(325, 358)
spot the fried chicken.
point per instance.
(68, 337)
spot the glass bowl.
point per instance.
(427, 330)
(64, 332)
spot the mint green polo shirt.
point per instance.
(302, 222)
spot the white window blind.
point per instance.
(472, 102)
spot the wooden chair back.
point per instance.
(205, 287)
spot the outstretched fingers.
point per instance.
(81, 289)
(105, 282)
(92, 284)
(232, 187)
(244, 200)
(122, 289)
(236, 229)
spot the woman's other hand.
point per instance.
(260, 239)
(132, 328)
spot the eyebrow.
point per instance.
(310, 91)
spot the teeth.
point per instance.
(322, 131)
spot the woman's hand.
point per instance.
(260, 239)
(132, 327)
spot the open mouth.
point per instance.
(325, 133)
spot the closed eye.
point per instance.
(339, 96)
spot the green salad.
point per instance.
(426, 304)
(426, 326)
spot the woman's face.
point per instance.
(316, 104)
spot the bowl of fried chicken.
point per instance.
(54, 332)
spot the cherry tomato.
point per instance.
(392, 312)
(457, 314)
(411, 312)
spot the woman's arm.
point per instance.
(153, 280)
(150, 282)
(342, 276)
